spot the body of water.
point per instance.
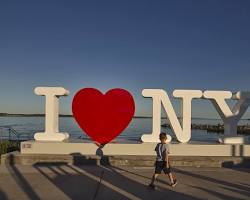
(27, 126)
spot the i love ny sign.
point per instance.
(104, 116)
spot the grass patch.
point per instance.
(8, 146)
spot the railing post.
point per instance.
(9, 133)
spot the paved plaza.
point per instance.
(101, 182)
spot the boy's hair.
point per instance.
(163, 136)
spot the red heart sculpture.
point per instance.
(103, 117)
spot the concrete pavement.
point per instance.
(99, 182)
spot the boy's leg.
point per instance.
(172, 179)
(158, 169)
(170, 176)
(154, 178)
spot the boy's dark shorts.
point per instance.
(161, 166)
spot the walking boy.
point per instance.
(162, 161)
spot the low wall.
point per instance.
(14, 158)
(143, 149)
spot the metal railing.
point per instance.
(9, 133)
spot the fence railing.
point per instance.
(9, 133)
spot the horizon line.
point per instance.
(71, 115)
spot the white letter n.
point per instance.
(159, 97)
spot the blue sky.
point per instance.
(130, 44)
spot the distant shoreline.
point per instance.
(69, 115)
(29, 115)
(42, 115)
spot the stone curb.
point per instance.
(131, 161)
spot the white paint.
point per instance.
(159, 97)
(234, 140)
(52, 95)
(229, 117)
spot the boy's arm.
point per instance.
(156, 147)
(167, 159)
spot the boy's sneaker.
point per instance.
(152, 186)
(174, 183)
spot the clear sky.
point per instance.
(131, 44)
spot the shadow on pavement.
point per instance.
(2, 195)
(102, 182)
(216, 193)
(95, 182)
(241, 189)
(21, 181)
(148, 179)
